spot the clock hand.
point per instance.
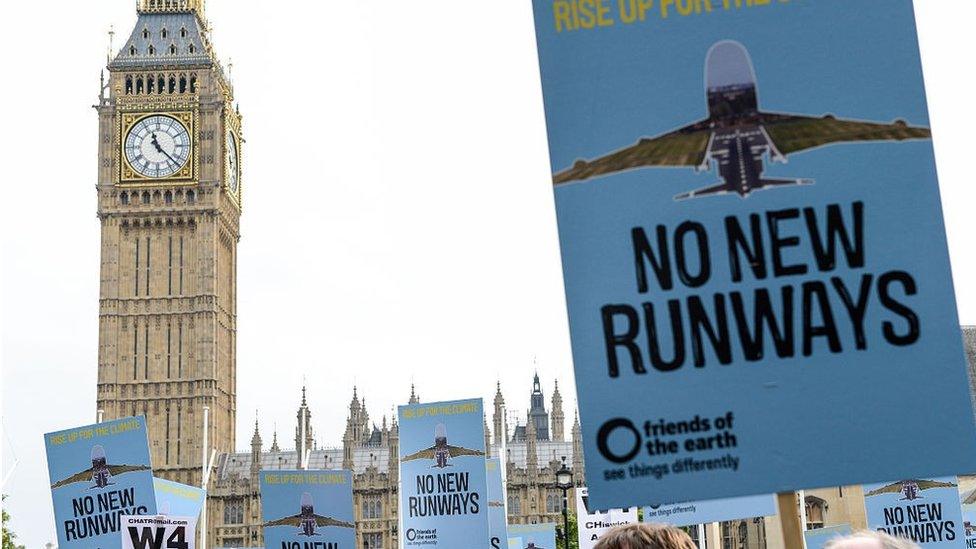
(155, 143)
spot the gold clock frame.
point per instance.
(232, 126)
(128, 176)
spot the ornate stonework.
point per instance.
(169, 233)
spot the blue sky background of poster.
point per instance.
(716, 510)
(125, 443)
(497, 521)
(938, 507)
(283, 499)
(466, 429)
(535, 536)
(181, 500)
(608, 87)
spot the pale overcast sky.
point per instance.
(398, 218)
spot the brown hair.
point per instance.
(645, 536)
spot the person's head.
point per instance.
(645, 536)
(870, 540)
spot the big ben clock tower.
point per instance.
(169, 201)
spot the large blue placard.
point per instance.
(714, 510)
(178, 500)
(308, 509)
(926, 511)
(751, 236)
(497, 521)
(99, 473)
(444, 492)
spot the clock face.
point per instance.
(233, 164)
(157, 146)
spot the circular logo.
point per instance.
(603, 437)
(411, 534)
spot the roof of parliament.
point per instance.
(168, 34)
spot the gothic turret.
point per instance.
(303, 431)
(487, 438)
(558, 420)
(498, 418)
(531, 452)
(414, 399)
(255, 454)
(578, 463)
(537, 413)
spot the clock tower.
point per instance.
(169, 201)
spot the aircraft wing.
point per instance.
(929, 484)
(120, 469)
(84, 476)
(684, 147)
(893, 488)
(423, 454)
(294, 520)
(322, 522)
(791, 133)
(457, 451)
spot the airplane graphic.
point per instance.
(441, 451)
(737, 136)
(100, 473)
(307, 521)
(912, 489)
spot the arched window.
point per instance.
(145, 197)
(190, 197)
(379, 509)
(128, 85)
(124, 198)
(161, 84)
(365, 511)
(183, 32)
(193, 80)
(139, 87)
(132, 51)
(182, 83)
(150, 84)
(193, 48)
(152, 50)
(549, 504)
(164, 33)
(156, 197)
(168, 197)
(172, 84)
(145, 34)
(172, 49)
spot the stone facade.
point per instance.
(370, 450)
(168, 294)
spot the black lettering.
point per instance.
(888, 302)
(856, 310)
(779, 243)
(837, 231)
(704, 264)
(677, 337)
(764, 317)
(828, 328)
(661, 265)
(717, 333)
(737, 243)
(613, 340)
